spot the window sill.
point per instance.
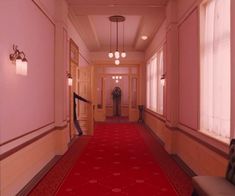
(223, 140)
(155, 114)
(216, 145)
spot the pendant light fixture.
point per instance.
(116, 54)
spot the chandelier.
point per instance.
(116, 54)
(116, 78)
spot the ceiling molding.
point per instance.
(138, 32)
(142, 17)
(94, 32)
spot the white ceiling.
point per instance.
(143, 17)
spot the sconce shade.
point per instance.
(163, 80)
(70, 81)
(20, 61)
(24, 69)
(116, 81)
(18, 66)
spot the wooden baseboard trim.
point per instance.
(35, 180)
(154, 135)
(177, 159)
(183, 165)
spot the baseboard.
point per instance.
(177, 159)
(71, 142)
(154, 135)
(32, 183)
(183, 165)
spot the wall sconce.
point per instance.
(70, 79)
(163, 79)
(18, 57)
(117, 78)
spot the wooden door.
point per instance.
(73, 69)
(85, 110)
(82, 87)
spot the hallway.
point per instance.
(106, 93)
(120, 159)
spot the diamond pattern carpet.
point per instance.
(116, 162)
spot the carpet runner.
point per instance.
(120, 159)
(117, 162)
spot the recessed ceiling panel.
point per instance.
(118, 2)
(92, 23)
(102, 25)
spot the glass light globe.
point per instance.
(117, 62)
(116, 81)
(113, 77)
(120, 77)
(117, 55)
(110, 55)
(116, 77)
(123, 54)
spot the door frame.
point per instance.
(100, 113)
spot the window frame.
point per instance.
(202, 21)
(151, 78)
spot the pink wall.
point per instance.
(233, 68)
(27, 102)
(48, 6)
(189, 71)
(184, 6)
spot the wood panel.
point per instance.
(74, 59)
(85, 110)
(201, 159)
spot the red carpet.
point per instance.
(120, 159)
(116, 162)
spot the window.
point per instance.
(215, 68)
(154, 87)
(159, 84)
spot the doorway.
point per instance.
(81, 85)
(107, 79)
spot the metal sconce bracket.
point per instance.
(17, 54)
